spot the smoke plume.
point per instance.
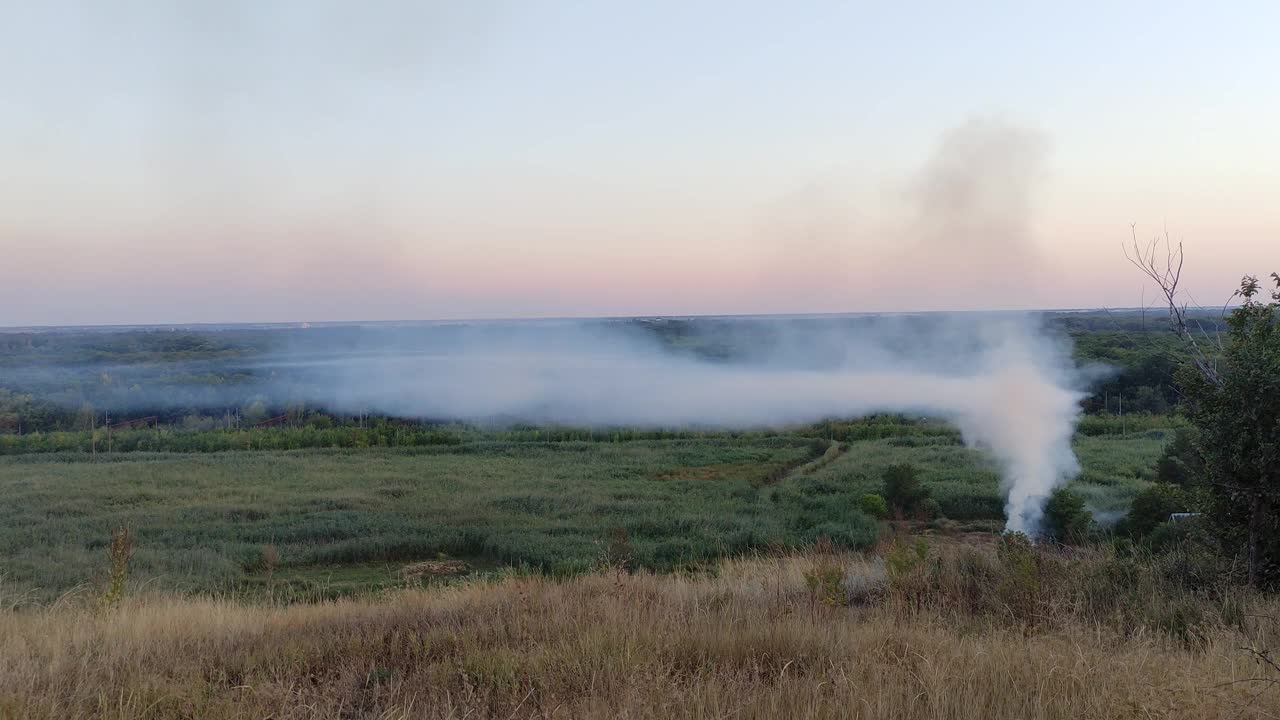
(1001, 381)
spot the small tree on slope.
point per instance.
(1237, 415)
(1231, 389)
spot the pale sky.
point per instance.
(176, 162)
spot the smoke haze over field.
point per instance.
(1005, 386)
(1005, 383)
(966, 223)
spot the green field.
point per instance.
(345, 520)
(232, 474)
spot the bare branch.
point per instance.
(1167, 274)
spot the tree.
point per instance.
(902, 488)
(1231, 390)
(1236, 413)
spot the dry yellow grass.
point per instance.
(753, 642)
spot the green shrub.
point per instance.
(874, 505)
(1065, 518)
(928, 509)
(1167, 536)
(1181, 462)
(1150, 509)
(902, 488)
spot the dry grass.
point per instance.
(433, 568)
(761, 639)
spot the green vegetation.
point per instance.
(874, 506)
(201, 522)
(1233, 400)
(500, 568)
(902, 489)
(1066, 519)
(176, 440)
(1218, 491)
(1115, 468)
(342, 521)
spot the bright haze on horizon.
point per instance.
(255, 162)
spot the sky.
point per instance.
(183, 162)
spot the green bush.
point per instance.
(1150, 509)
(1166, 536)
(1065, 518)
(1181, 463)
(874, 505)
(902, 488)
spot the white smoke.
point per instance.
(997, 378)
(1006, 386)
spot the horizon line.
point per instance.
(305, 324)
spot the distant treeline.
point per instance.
(163, 439)
(316, 432)
(391, 433)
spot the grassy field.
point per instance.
(960, 632)
(343, 521)
(749, 584)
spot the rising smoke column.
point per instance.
(1025, 412)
